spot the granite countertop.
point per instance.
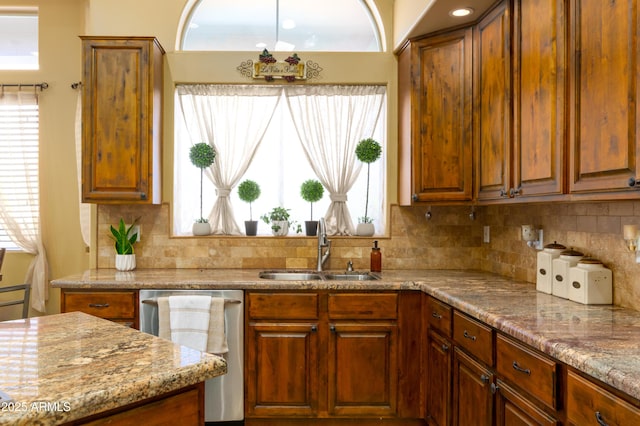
(64, 367)
(602, 341)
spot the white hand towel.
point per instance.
(189, 320)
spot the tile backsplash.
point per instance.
(449, 240)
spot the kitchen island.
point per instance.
(68, 368)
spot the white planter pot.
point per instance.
(280, 227)
(125, 262)
(201, 228)
(365, 229)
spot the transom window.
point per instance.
(282, 25)
(19, 39)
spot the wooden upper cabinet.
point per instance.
(121, 120)
(539, 64)
(493, 105)
(436, 142)
(605, 148)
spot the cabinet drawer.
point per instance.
(439, 316)
(475, 337)
(588, 403)
(110, 305)
(534, 373)
(283, 305)
(363, 306)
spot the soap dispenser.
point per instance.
(376, 258)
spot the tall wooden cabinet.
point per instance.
(439, 164)
(121, 120)
(492, 115)
(604, 121)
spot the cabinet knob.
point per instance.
(633, 182)
(332, 328)
(445, 347)
(484, 379)
(143, 195)
(314, 328)
(414, 197)
(494, 388)
(503, 192)
(514, 192)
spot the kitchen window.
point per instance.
(19, 187)
(286, 134)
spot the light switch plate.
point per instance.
(486, 236)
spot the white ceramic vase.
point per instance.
(280, 228)
(201, 228)
(365, 229)
(125, 262)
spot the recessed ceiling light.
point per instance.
(463, 11)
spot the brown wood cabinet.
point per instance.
(605, 145)
(327, 355)
(492, 115)
(118, 306)
(121, 120)
(439, 359)
(590, 403)
(436, 164)
(539, 101)
(472, 395)
(184, 406)
(514, 409)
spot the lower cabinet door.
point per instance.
(472, 396)
(281, 370)
(513, 409)
(438, 379)
(362, 369)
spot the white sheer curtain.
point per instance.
(330, 121)
(227, 117)
(85, 209)
(19, 199)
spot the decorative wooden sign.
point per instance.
(268, 68)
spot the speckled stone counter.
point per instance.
(65, 367)
(602, 341)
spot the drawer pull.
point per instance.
(469, 336)
(436, 315)
(98, 305)
(600, 420)
(517, 367)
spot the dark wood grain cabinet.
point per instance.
(119, 306)
(121, 120)
(324, 355)
(437, 159)
(604, 120)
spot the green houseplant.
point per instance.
(124, 241)
(202, 155)
(249, 191)
(311, 191)
(368, 150)
(278, 218)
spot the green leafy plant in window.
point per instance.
(277, 218)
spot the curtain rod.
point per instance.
(41, 86)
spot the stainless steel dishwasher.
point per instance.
(224, 395)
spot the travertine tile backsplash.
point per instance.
(449, 240)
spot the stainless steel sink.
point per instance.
(293, 275)
(290, 275)
(353, 276)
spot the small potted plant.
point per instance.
(249, 191)
(202, 156)
(311, 191)
(367, 151)
(278, 218)
(124, 241)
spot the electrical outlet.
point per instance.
(486, 236)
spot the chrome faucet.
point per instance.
(322, 242)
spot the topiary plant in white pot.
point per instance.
(202, 155)
(367, 151)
